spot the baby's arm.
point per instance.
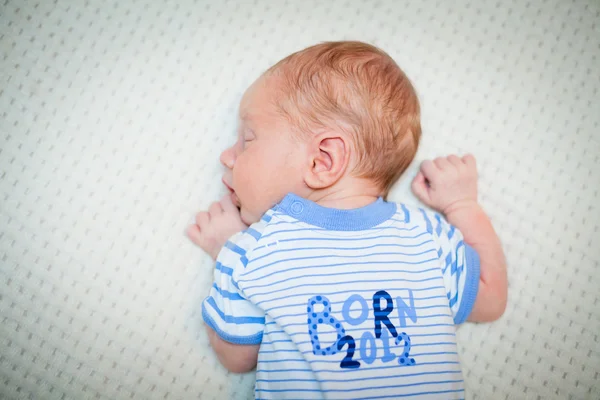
(235, 357)
(449, 185)
(210, 232)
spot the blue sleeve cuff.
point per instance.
(243, 340)
(471, 285)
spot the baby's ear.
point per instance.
(329, 157)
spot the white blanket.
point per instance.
(112, 116)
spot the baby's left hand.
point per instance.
(214, 227)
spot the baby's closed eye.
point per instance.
(249, 135)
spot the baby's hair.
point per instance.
(358, 88)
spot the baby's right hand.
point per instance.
(447, 183)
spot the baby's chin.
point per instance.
(250, 217)
(247, 217)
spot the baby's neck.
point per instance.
(356, 194)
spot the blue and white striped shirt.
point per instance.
(347, 304)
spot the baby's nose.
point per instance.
(228, 158)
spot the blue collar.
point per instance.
(334, 219)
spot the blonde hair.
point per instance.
(359, 89)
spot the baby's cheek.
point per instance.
(242, 182)
(248, 192)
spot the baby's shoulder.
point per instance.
(251, 237)
(415, 216)
(430, 222)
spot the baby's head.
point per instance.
(335, 119)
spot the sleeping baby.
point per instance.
(329, 290)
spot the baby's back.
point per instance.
(358, 304)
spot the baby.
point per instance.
(324, 286)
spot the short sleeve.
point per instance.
(459, 263)
(233, 317)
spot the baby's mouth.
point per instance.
(234, 197)
(236, 200)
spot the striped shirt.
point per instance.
(347, 304)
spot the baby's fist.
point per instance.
(214, 227)
(447, 182)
